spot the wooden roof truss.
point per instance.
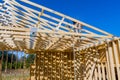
(25, 25)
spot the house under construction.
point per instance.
(65, 48)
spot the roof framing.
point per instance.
(26, 28)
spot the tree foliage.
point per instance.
(13, 61)
(30, 59)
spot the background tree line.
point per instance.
(16, 61)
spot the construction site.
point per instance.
(38, 43)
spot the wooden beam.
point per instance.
(111, 61)
(72, 33)
(116, 57)
(15, 29)
(59, 25)
(52, 11)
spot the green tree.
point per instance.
(30, 60)
(8, 56)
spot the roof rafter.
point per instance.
(44, 28)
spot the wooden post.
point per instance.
(99, 72)
(74, 60)
(66, 65)
(96, 74)
(55, 65)
(103, 71)
(108, 65)
(111, 60)
(116, 57)
(44, 65)
(51, 65)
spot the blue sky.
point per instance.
(104, 14)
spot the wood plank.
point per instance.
(116, 57)
(52, 11)
(111, 62)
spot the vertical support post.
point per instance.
(70, 74)
(67, 65)
(51, 65)
(111, 60)
(85, 61)
(56, 65)
(119, 49)
(62, 68)
(39, 65)
(44, 65)
(99, 71)
(74, 63)
(107, 72)
(92, 70)
(96, 74)
(87, 65)
(116, 59)
(103, 71)
(108, 65)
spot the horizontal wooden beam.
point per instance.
(73, 33)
